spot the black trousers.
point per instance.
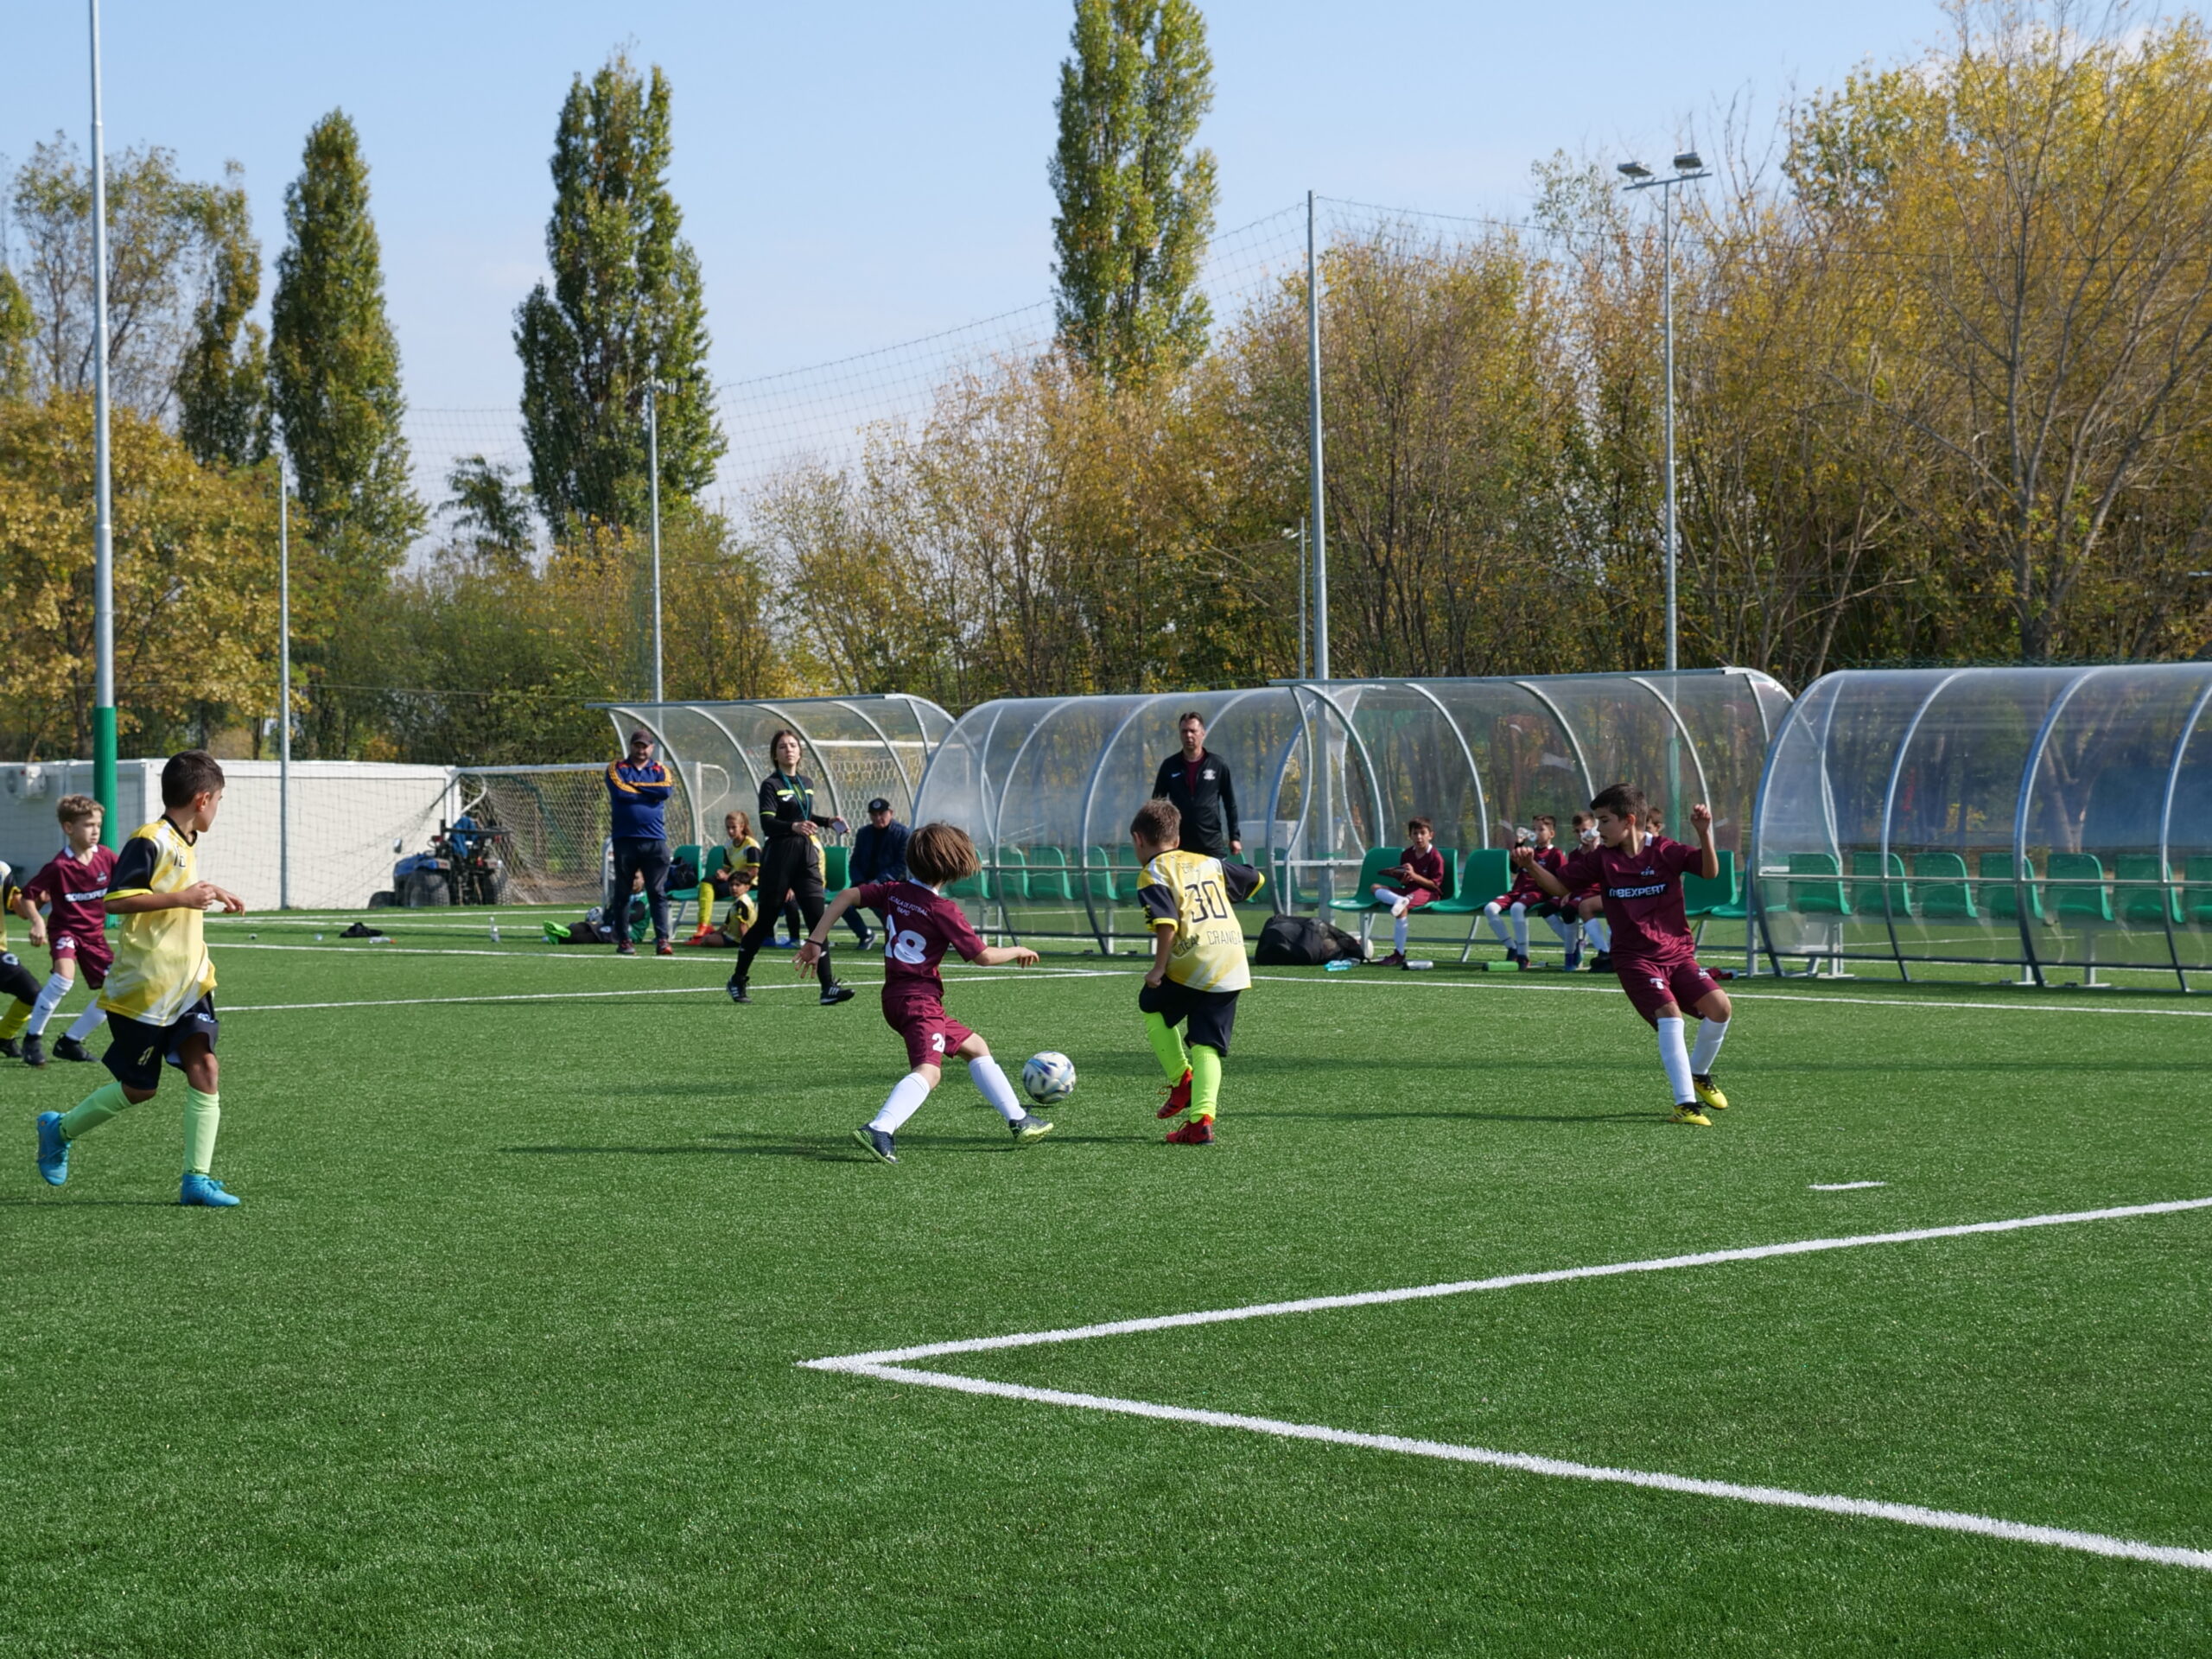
(17, 981)
(786, 873)
(635, 856)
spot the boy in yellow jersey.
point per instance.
(160, 994)
(1198, 963)
(17, 983)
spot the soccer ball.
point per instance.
(1048, 1077)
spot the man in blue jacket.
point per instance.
(638, 788)
(879, 854)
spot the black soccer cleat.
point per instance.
(835, 993)
(70, 1049)
(10, 1048)
(34, 1050)
(736, 989)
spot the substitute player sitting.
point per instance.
(1416, 880)
(1654, 951)
(920, 924)
(1525, 896)
(1198, 963)
(72, 886)
(160, 996)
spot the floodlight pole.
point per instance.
(283, 689)
(1305, 635)
(103, 527)
(1320, 533)
(653, 465)
(1687, 170)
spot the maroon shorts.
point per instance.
(93, 958)
(931, 1035)
(1652, 985)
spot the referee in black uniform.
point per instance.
(1199, 786)
(787, 822)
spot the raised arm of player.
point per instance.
(1524, 859)
(811, 952)
(1701, 820)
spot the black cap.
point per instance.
(879, 804)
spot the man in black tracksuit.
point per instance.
(1198, 783)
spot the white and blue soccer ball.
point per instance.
(1048, 1077)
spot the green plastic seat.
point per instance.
(1943, 892)
(2196, 898)
(1872, 892)
(1483, 874)
(1704, 898)
(1048, 877)
(1372, 863)
(2000, 893)
(836, 869)
(1098, 874)
(1817, 898)
(1126, 873)
(679, 897)
(2142, 898)
(1454, 900)
(2078, 885)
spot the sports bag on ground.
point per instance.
(1299, 942)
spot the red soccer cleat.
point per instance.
(1178, 1098)
(1198, 1132)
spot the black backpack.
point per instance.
(1297, 942)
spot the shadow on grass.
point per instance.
(99, 1203)
(1448, 1115)
(828, 1149)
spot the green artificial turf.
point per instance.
(501, 1353)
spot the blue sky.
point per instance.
(854, 175)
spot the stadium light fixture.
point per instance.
(1689, 167)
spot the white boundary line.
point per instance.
(888, 1365)
(1735, 995)
(1840, 1186)
(574, 996)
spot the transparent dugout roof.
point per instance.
(2035, 816)
(854, 748)
(1324, 771)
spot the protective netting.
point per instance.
(556, 819)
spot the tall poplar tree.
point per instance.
(1137, 196)
(333, 365)
(627, 305)
(222, 382)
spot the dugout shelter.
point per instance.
(2031, 817)
(1326, 774)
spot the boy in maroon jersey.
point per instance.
(1416, 880)
(920, 924)
(73, 887)
(1525, 896)
(1653, 951)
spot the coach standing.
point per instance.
(1198, 785)
(638, 788)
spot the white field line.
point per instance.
(888, 1365)
(1841, 1187)
(574, 996)
(1734, 995)
(1911, 1514)
(1504, 1281)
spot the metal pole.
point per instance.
(103, 528)
(283, 690)
(1305, 637)
(1320, 531)
(1666, 258)
(653, 465)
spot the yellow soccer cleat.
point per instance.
(1688, 1113)
(1708, 1093)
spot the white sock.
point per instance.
(1520, 929)
(1601, 933)
(991, 1083)
(1564, 931)
(1710, 1034)
(906, 1099)
(1398, 927)
(96, 1016)
(1676, 1058)
(1490, 914)
(49, 998)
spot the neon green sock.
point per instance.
(1206, 1080)
(203, 1114)
(1167, 1044)
(93, 1110)
(16, 1018)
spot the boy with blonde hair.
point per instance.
(72, 886)
(160, 994)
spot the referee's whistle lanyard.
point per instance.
(793, 791)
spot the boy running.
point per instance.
(919, 925)
(160, 994)
(16, 980)
(72, 885)
(1198, 963)
(1653, 951)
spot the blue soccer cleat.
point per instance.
(205, 1190)
(878, 1142)
(52, 1150)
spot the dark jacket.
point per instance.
(635, 797)
(786, 802)
(1209, 810)
(879, 854)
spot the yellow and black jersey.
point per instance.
(1195, 895)
(744, 910)
(10, 891)
(161, 966)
